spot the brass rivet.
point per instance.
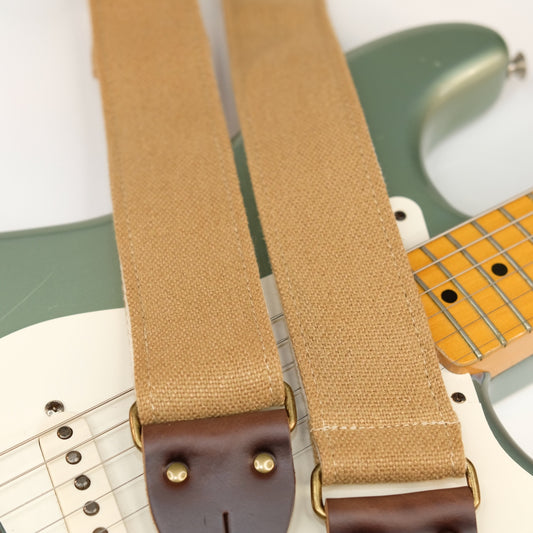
(264, 463)
(177, 472)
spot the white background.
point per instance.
(53, 166)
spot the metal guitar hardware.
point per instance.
(136, 429)
(320, 510)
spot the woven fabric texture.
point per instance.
(201, 337)
(379, 411)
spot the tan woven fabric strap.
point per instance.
(201, 337)
(378, 408)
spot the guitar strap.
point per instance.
(378, 408)
(207, 373)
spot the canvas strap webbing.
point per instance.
(201, 337)
(206, 366)
(378, 408)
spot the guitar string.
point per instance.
(502, 306)
(106, 402)
(288, 367)
(484, 344)
(78, 509)
(482, 271)
(302, 419)
(122, 394)
(98, 436)
(67, 482)
(457, 331)
(506, 302)
(120, 486)
(472, 243)
(66, 422)
(124, 484)
(57, 456)
(473, 267)
(279, 343)
(95, 407)
(515, 222)
(471, 295)
(481, 289)
(129, 515)
(494, 283)
(458, 288)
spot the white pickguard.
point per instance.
(84, 359)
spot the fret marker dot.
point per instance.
(499, 269)
(100, 530)
(400, 215)
(449, 296)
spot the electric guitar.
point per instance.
(67, 460)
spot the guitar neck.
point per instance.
(476, 284)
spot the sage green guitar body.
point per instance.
(415, 87)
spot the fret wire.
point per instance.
(503, 252)
(451, 318)
(494, 286)
(131, 389)
(469, 269)
(488, 342)
(476, 241)
(283, 341)
(116, 488)
(473, 294)
(289, 366)
(473, 303)
(477, 319)
(519, 226)
(68, 481)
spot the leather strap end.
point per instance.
(223, 491)
(433, 511)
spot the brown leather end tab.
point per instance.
(432, 511)
(223, 492)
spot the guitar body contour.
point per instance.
(63, 332)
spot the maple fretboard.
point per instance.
(476, 284)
